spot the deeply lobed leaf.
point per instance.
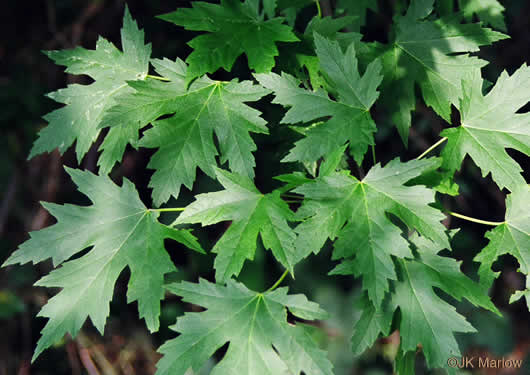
(425, 318)
(255, 326)
(122, 232)
(233, 28)
(350, 117)
(432, 54)
(490, 125)
(185, 140)
(355, 213)
(511, 237)
(252, 213)
(87, 104)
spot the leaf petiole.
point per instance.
(170, 209)
(432, 148)
(486, 222)
(319, 9)
(278, 282)
(158, 78)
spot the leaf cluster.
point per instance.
(385, 225)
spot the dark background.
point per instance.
(127, 348)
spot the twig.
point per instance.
(72, 357)
(84, 354)
(99, 357)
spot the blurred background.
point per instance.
(127, 347)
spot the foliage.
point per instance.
(253, 323)
(385, 225)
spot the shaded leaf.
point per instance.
(251, 213)
(255, 325)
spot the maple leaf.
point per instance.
(262, 342)
(143, 103)
(123, 233)
(431, 54)
(339, 206)
(522, 293)
(405, 363)
(350, 117)
(185, 140)
(426, 319)
(489, 125)
(86, 104)
(252, 213)
(358, 9)
(511, 237)
(372, 323)
(488, 11)
(300, 59)
(233, 28)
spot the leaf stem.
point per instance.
(486, 222)
(319, 9)
(278, 282)
(157, 77)
(432, 148)
(171, 209)
(373, 154)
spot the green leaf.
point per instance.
(143, 103)
(329, 27)
(185, 140)
(122, 233)
(233, 28)
(512, 237)
(488, 11)
(251, 213)
(372, 323)
(300, 59)
(426, 319)
(358, 9)
(269, 8)
(296, 4)
(490, 124)
(262, 342)
(86, 104)
(405, 363)
(350, 117)
(522, 293)
(419, 9)
(445, 7)
(432, 55)
(356, 213)
(445, 273)
(441, 181)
